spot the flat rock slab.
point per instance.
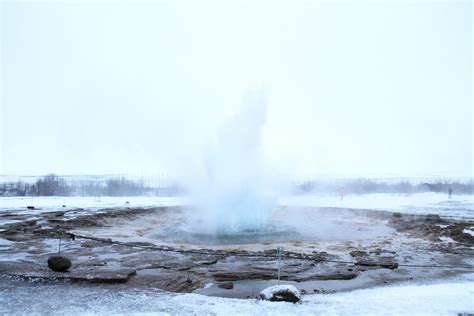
(32, 271)
(226, 285)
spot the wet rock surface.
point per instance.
(28, 271)
(118, 249)
(226, 285)
(432, 227)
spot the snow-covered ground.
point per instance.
(447, 298)
(48, 203)
(421, 203)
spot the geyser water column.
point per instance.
(234, 196)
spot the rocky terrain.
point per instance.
(144, 247)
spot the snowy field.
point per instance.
(451, 297)
(461, 206)
(48, 203)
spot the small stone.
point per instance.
(59, 263)
(358, 253)
(226, 285)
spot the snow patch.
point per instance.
(275, 292)
(448, 297)
(460, 206)
(4, 242)
(468, 231)
(446, 239)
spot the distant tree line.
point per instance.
(53, 185)
(364, 186)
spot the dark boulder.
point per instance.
(59, 263)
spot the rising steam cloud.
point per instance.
(233, 197)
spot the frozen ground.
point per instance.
(451, 297)
(48, 203)
(461, 206)
(80, 205)
(421, 203)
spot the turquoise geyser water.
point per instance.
(240, 210)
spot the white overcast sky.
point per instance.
(354, 88)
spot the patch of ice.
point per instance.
(446, 239)
(9, 222)
(4, 242)
(18, 256)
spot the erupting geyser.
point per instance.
(233, 198)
